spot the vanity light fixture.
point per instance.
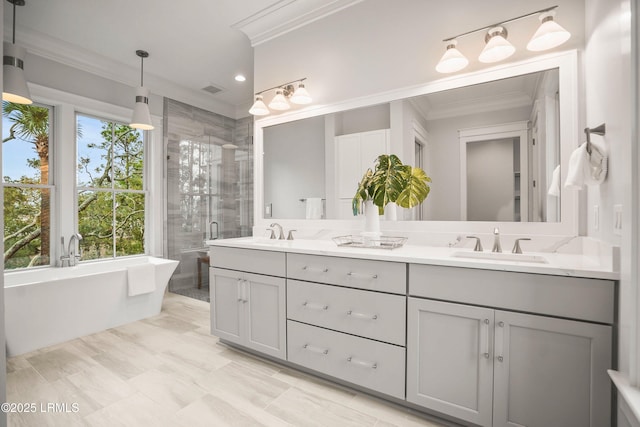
(498, 47)
(14, 87)
(141, 118)
(549, 35)
(280, 102)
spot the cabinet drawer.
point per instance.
(371, 364)
(571, 297)
(353, 273)
(368, 314)
(250, 260)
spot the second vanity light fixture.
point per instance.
(498, 48)
(141, 118)
(296, 94)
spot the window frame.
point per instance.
(51, 186)
(112, 190)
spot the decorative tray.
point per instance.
(382, 242)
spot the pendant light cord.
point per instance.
(14, 24)
(142, 71)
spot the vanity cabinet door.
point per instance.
(264, 304)
(226, 304)
(249, 309)
(551, 372)
(450, 359)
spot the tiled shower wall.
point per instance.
(209, 177)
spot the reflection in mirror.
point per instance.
(491, 150)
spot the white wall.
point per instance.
(608, 100)
(294, 166)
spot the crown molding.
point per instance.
(56, 50)
(287, 15)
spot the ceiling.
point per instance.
(192, 44)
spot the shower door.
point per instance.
(206, 199)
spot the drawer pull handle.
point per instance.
(313, 306)
(362, 315)
(316, 349)
(362, 363)
(362, 276)
(315, 270)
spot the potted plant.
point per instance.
(390, 182)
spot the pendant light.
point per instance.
(549, 35)
(14, 87)
(498, 47)
(141, 118)
(452, 60)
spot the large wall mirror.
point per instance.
(494, 144)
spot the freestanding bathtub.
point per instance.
(51, 305)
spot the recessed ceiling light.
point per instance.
(240, 78)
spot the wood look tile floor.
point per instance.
(169, 371)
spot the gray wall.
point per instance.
(294, 166)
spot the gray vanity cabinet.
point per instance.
(249, 309)
(495, 367)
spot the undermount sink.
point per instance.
(501, 256)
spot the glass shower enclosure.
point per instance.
(209, 190)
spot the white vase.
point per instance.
(391, 212)
(371, 220)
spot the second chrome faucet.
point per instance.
(496, 241)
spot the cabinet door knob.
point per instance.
(500, 358)
(362, 316)
(363, 363)
(315, 349)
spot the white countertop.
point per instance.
(558, 264)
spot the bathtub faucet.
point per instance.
(69, 257)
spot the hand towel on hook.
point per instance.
(585, 169)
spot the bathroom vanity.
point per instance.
(478, 341)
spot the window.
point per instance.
(110, 185)
(28, 184)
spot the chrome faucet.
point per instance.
(496, 241)
(280, 230)
(211, 230)
(73, 259)
(516, 245)
(478, 246)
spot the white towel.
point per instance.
(585, 169)
(141, 279)
(554, 188)
(314, 208)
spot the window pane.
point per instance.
(26, 210)
(127, 158)
(129, 223)
(95, 223)
(25, 150)
(94, 152)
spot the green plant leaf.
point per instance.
(415, 189)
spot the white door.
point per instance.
(349, 169)
(226, 304)
(450, 359)
(265, 314)
(551, 372)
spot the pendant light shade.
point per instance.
(549, 35)
(300, 95)
(14, 87)
(452, 60)
(497, 48)
(141, 118)
(259, 108)
(279, 102)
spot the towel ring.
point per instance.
(600, 130)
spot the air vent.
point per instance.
(211, 89)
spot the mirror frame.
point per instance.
(566, 62)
